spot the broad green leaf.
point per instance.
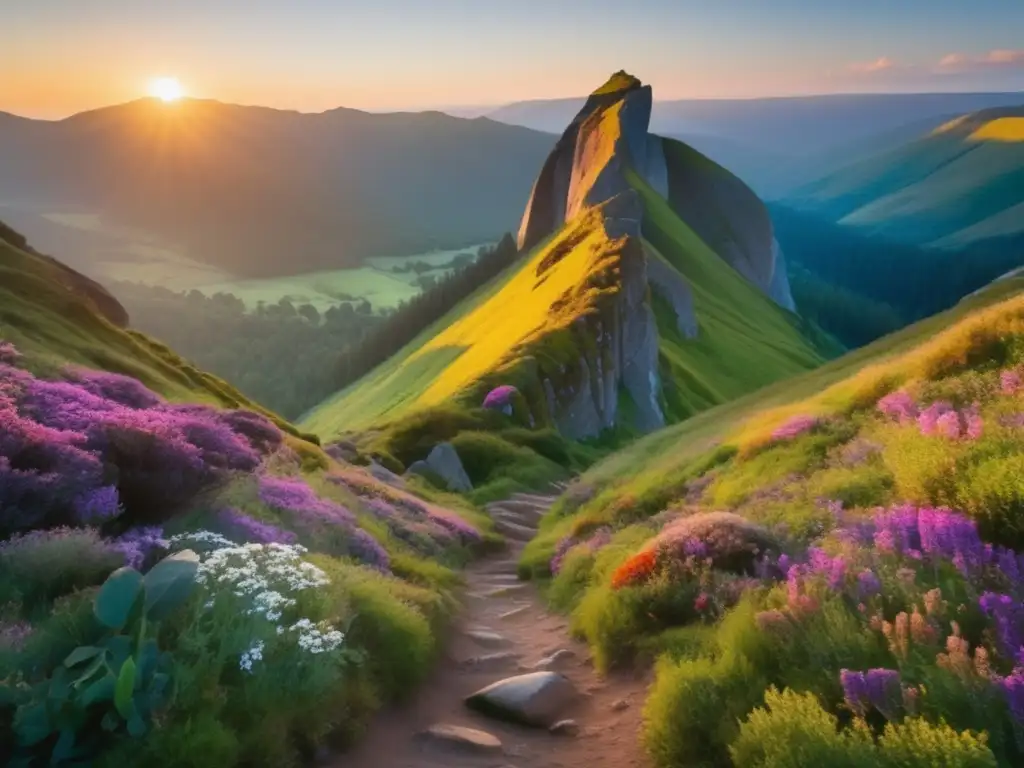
(32, 724)
(117, 596)
(98, 664)
(125, 689)
(98, 690)
(64, 748)
(80, 654)
(136, 726)
(120, 648)
(169, 584)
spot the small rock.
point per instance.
(556, 659)
(535, 699)
(620, 705)
(487, 639)
(385, 475)
(445, 461)
(460, 738)
(509, 589)
(513, 613)
(565, 728)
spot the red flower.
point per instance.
(638, 568)
(702, 602)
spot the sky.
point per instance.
(58, 57)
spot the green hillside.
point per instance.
(623, 282)
(55, 316)
(962, 183)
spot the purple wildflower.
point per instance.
(928, 420)
(878, 688)
(14, 635)
(1013, 690)
(500, 398)
(795, 427)
(855, 691)
(1009, 381)
(9, 355)
(251, 530)
(293, 495)
(1008, 617)
(366, 549)
(97, 505)
(868, 584)
(899, 406)
(139, 544)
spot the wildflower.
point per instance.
(701, 603)
(1010, 382)
(500, 399)
(251, 656)
(636, 569)
(868, 584)
(795, 427)
(898, 406)
(1013, 691)
(855, 691)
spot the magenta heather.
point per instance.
(795, 427)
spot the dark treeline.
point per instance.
(280, 355)
(832, 265)
(413, 316)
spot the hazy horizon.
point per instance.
(406, 55)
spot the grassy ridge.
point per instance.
(53, 324)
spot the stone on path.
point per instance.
(487, 638)
(513, 613)
(508, 589)
(565, 728)
(491, 661)
(556, 659)
(460, 738)
(534, 699)
(620, 705)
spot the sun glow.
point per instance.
(166, 88)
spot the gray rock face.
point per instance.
(672, 286)
(727, 215)
(444, 460)
(420, 468)
(536, 699)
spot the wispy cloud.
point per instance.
(881, 64)
(1002, 58)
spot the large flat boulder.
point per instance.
(538, 699)
(445, 462)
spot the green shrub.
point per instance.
(39, 567)
(546, 442)
(693, 711)
(866, 485)
(916, 743)
(993, 493)
(199, 741)
(793, 731)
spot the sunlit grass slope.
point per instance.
(54, 323)
(489, 331)
(949, 188)
(654, 464)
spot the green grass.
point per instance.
(953, 187)
(52, 323)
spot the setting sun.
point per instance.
(166, 88)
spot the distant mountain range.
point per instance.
(954, 186)
(777, 144)
(261, 192)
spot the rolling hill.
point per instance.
(56, 316)
(779, 144)
(262, 192)
(649, 287)
(960, 184)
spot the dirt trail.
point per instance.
(607, 711)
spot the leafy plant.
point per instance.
(117, 685)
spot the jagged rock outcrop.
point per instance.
(589, 168)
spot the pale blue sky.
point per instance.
(61, 56)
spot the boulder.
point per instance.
(445, 462)
(537, 699)
(565, 728)
(487, 638)
(343, 450)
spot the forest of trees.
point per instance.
(412, 317)
(280, 355)
(859, 287)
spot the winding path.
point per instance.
(514, 632)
